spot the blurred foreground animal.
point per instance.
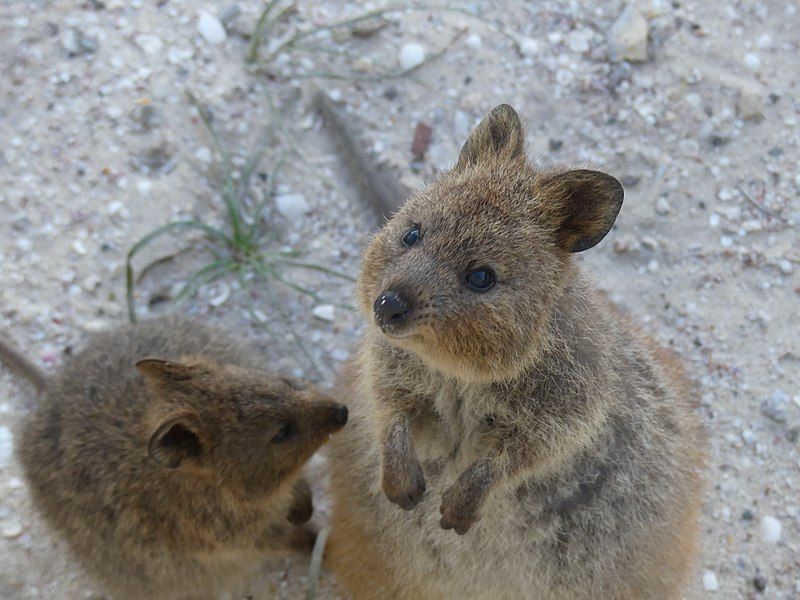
(169, 460)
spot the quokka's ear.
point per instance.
(582, 206)
(177, 441)
(160, 371)
(499, 135)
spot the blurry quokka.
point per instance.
(497, 397)
(169, 460)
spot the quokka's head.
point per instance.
(248, 431)
(466, 273)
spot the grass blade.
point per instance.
(150, 237)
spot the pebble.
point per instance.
(210, 27)
(324, 312)
(750, 105)
(579, 40)
(627, 38)
(713, 220)
(291, 206)
(785, 266)
(10, 529)
(75, 43)
(725, 194)
(528, 47)
(203, 154)
(662, 206)
(411, 55)
(150, 44)
(219, 292)
(474, 42)
(725, 241)
(760, 583)
(710, 583)
(752, 61)
(770, 529)
(6, 444)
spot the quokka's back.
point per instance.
(169, 459)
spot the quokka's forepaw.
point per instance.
(302, 540)
(457, 514)
(407, 489)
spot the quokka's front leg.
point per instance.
(462, 502)
(402, 479)
(302, 505)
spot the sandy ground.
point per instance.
(704, 135)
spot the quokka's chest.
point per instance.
(451, 427)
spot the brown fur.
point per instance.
(154, 454)
(528, 418)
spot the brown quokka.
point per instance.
(170, 461)
(499, 398)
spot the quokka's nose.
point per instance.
(391, 308)
(340, 416)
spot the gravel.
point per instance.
(698, 121)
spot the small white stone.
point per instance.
(785, 266)
(764, 41)
(578, 40)
(143, 186)
(291, 206)
(726, 241)
(411, 55)
(752, 61)
(91, 283)
(203, 154)
(79, 247)
(528, 47)
(339, 354)
(6, 444)
(713, 220)
(15, 483)
(710, 583)
(325, 312)
(662, 206)
(10, 529)
(770, 529)
(220, 292)
(474, 42)
(151, 44)
(652, 266)
(627, 38)
(210, 27)
(178, 56)
(725, 194)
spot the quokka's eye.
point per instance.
(287, 431)
(481, 280)
(412, 236)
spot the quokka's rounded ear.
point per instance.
(500, 135)
(177, 441)
(582, 205)
(157, 370)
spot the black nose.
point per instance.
(391, 308)
(339, 417)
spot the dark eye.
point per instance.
(287, 432)
(412, 236)
(481, 279)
